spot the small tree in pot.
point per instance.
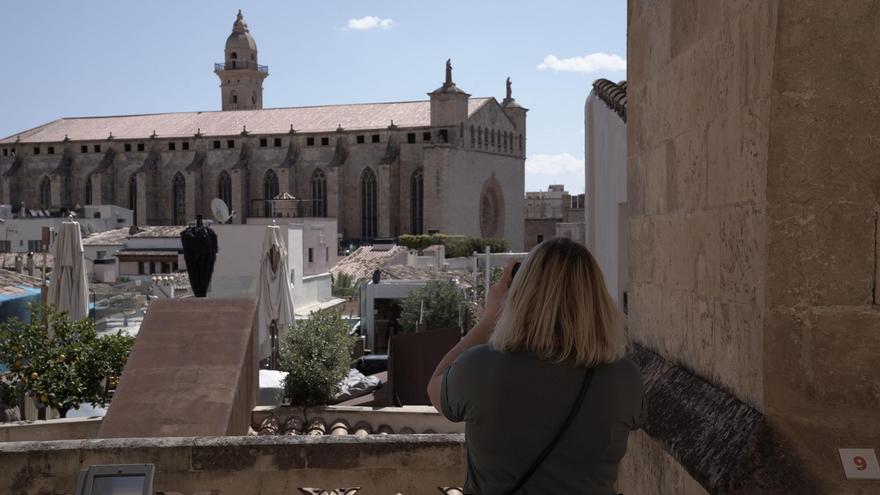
(317, 356)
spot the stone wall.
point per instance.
(697, 136)
(403, 464)
(753, 191)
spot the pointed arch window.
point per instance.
(319, 193)
(417, 202)
(480, 137)
(473, 140)
(45, 192)
(368, 204)
(224, 188)
(88, 198)
(270, 190)
(178, 195)
(133, 197)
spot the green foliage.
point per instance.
(7, 393)
(480, 286)
(417, 242)
(456, 245)
(317, 356)
(66, 369)
(444, 304)
(343, 285)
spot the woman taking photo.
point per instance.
(542, 381)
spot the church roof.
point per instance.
(358, 116)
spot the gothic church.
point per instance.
(452, 163)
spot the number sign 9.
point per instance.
(860, 464)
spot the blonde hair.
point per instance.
(558, 307)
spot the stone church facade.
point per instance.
(452, 163)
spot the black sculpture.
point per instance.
(200, 253)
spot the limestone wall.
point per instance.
(460, 177)
(697, 135)
(754, 195)
(253, 465)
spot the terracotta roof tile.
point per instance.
(365, 260)
(113, 237)
(613, 94)
(230, 123)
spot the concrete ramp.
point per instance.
(191, 372)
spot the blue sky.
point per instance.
(67, 58)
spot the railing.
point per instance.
(282, 208)
(242, 65)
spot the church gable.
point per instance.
(491, 115)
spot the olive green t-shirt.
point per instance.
(514, 403)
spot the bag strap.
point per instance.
(575, 408)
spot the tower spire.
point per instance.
(241, 75)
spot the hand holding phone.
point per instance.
(513, 272)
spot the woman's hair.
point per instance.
(559, 308)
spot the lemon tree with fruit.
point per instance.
(64, 368)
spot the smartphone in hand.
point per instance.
(513, 272)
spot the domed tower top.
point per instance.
(241, 77)
(240, 45)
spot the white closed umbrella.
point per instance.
(68, 286)
(275, 296)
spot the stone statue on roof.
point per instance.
(509, 91)
(448, 71)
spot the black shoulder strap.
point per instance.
(575, 408)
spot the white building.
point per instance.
(606, 208)
(22, 232)
(311, 251)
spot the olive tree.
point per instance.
(443, 302)
(316, 354)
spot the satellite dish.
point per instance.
(220, 210)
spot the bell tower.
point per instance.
(241, 76)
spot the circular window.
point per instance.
(492, 209)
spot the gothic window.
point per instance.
(45, 192)
(461, 131)
(224, 188)
(492, 136)
(88, 198)
(505, 141)
(368, 204)
(417, 202)
(234, 98)
(270, 190)
(473, 135)
(270, 184)
(480, 137)
(178, 200)
(520, 143)
(132, 197)
(319, 194)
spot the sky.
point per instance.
(97, 57)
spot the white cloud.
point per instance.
(369, 22)
(560, 164)
(588, 63)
